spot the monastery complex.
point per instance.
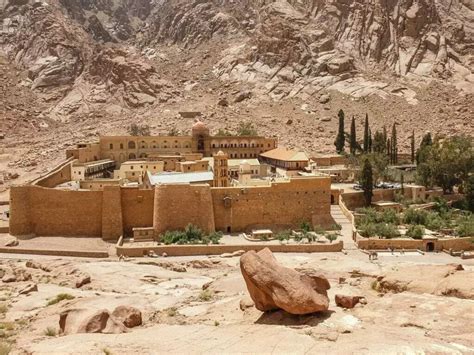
(154, 184)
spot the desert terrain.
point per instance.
(421, 304)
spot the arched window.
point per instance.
(121, 145)
(111, 146)
(131, 145)
(132, 156)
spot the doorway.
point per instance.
(430, 246)
(229, 230)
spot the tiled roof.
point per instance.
(285, 155)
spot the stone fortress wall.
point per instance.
(115, 210)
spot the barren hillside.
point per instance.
(73, 69)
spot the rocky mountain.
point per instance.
(289, 66)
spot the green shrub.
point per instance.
(387, 231)
(368, 230)
(50, 332)
(412, 216)
(172, 312)
(415, 231)
(60, 297)
(331, 237)
(283, 235)
(306, 226)
(441, 206)
(434, 221)
(191, 235)
(465, 226)
(205, 296)
(390, 216)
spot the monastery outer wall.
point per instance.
(279, 206)
(59, 175)
(42, 211)
(178, 205)
(355, 200)
(137, 209)
(456, 244)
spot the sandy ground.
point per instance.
(178, 320)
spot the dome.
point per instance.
(200, 128)
(220, 152)
(199, 125)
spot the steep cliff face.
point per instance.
(135, 56)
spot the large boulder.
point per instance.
(129, 316)
(273, 286)
(88, 321)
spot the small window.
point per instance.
(121, 145)
(111, 146)
(131, 167)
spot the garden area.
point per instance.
(190, 235)
(440, 220)
(309, 234)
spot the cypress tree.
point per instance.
(370, 141)
(413, 147)
(353, 142)
(394, 144)
(367, 181)
(366, 134)
(389, 150)
(340, 139)
(385, 137)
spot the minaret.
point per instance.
(221, 169)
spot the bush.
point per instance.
(191, 235)
(368, 230)
(434, 221)
(415, 231)
(390, 216)
(205, 296)
(283, 235)
(331, 237)
(387, 231)
(50, 332)
(465, 226)
(412, 216)
(60, 297)
(306, 227)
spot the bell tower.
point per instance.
(221, 169)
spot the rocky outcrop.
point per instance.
(273, 286)
(441, 280)
(129, 316)
(83, 321)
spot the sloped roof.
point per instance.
(285, 155)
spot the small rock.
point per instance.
(12, 242)
(347, 301)
(342, 280)
(289, 122)
(28, 289)
(83, 280)
(129, 316)
(245, 303)
(323, 99)
(9, 277)
(223, 102)
(164, 255)
(243, 95)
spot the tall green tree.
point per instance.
(389, 150)
(370, 141)
(366, 134)
(412, 143)
(446, 163)
(340, 138)
(394, 153)
(366, 181)
(426, 142)
(353, 138)
(385, 136)
(379, 144)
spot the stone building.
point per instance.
(124, 148)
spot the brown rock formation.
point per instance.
(129, 316)
(273, 286)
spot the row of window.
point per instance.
(240, 145)
(154, 145)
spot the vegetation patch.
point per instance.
(191, 235)
(60, 297)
